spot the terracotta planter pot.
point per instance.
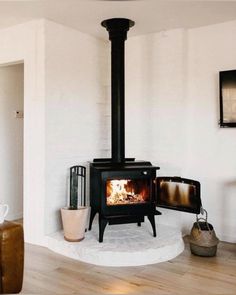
(74, 223)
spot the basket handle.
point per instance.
(202, 218)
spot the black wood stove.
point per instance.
(124, 190)
(121, 189)
(122, 193)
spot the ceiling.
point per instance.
(149, 15)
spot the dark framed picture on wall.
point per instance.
(228, 98)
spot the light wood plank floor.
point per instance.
(50, 273)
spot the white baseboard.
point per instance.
(227, 238)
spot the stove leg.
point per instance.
(152, 221)
(92, 215)
(102, 225)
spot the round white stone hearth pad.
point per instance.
(123, 245)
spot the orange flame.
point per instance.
(126, 191)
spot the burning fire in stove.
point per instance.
(126, 191)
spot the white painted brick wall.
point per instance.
(173, 112)
(76, 110)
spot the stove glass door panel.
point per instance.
(127, 191)
(178, 194)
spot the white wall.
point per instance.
(211, 150)
(76, 76)
(25, 42)
(172, 115)
(11, 143)
(156, 99)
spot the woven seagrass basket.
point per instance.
(203, 240)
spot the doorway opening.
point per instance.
(12, 139)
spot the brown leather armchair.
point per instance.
(11, 257)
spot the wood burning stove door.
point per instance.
(178, 193)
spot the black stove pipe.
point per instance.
(118, 28)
